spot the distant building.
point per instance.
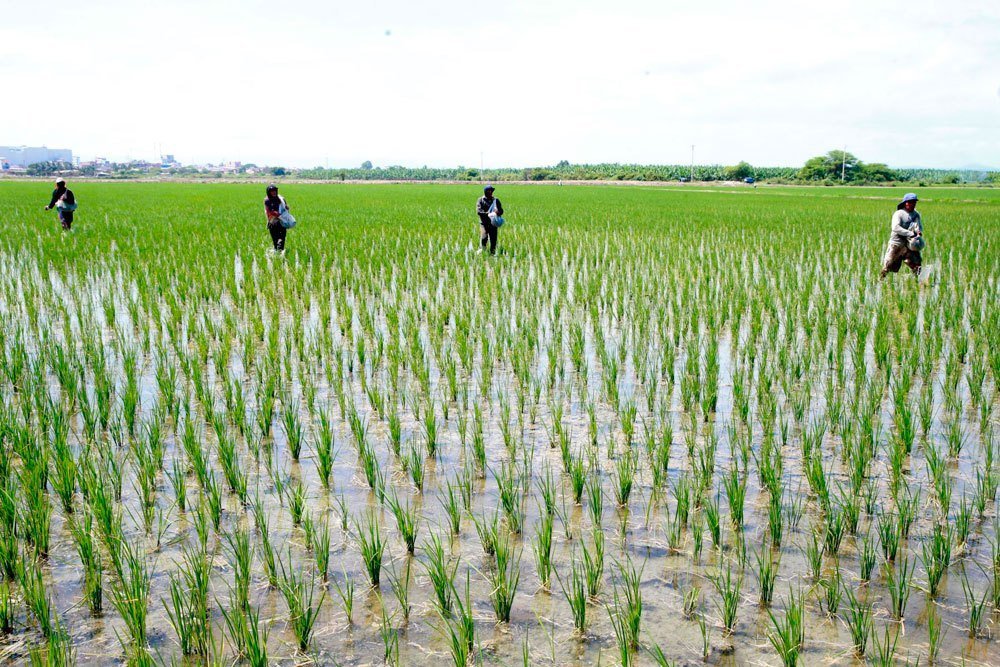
(22, 156)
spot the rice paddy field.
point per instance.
(662, 426)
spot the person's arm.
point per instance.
(272, 214)
(481, 207)
(499, 208)
(52, 202)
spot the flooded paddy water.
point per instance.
(652, 433)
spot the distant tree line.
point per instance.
(827, 169)
(48, 168)
(833, 168)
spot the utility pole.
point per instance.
(843, 163)
(692, 163)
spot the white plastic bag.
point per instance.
(495, 220)
(286, 219)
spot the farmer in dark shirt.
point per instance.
(64, 202)
(487, 205)
(273, 205)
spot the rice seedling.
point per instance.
(460, 630)
(212, 501)
(834, 531)
(575, 592)
(706, 636)
(712, 521)
(488, 529)
(7, 609)
(833, 588)
(414, 462)
(814, 555)
(578, 478)
(345, 592)
(659, 657)
(767, 574)
(509, 483)
(976, 606)
(441, 572)
(90, 558)
(254, 640)
(390, 640)
(187, 608)
(889, 535)
(452, 504)
(129, 594)
(859, 620)
(788, 635)
(885, 648)
(626, 614)
(735, 486)
(503, 579)
(371, 544)
(728, 587)
(624, 477)
(58, 650)
(36, 597)
(296, 498)
(299, 595)
(936, 557)
(866, 558)
(593, 562)
(542, 548)
(935, 634)
(407, 520)
(401, 589)
(692, 601)
(898, 580)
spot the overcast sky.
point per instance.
(307, 83)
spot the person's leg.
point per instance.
(493, 240)
(276, 237)
(913, 260)
(282, 235)
(484, 235)
(893, 259)
(66, 219)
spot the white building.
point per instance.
(22, 156)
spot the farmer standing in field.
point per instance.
(64, 202)
(906, 238)
(275, 207)
(490, 212)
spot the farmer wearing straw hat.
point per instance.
(906, 239)
(64, 202)
(490, 212)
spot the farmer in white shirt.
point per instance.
(906, 239)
